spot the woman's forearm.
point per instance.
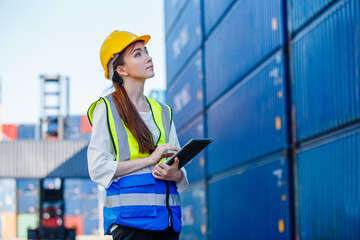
(126, 167)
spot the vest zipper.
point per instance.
(167, 183)
(167, 203)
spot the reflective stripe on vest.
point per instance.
(141, 199)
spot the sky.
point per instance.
(64, 37)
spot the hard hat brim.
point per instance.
(144, 38)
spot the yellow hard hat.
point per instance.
(115, 43)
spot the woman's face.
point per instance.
(138, 63)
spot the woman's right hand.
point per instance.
(159, 153)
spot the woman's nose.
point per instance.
(149, 59)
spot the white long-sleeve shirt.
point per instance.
(101, 153)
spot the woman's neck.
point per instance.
(135, 91)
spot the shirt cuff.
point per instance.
(183, 184)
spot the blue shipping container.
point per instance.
(213, 11)
(73, 206)
(250, 32)
(158, 95)
(301, 11)
(28, 202)
(89, 187)
(90, 205)
(326, 71)
(8, 195)
(195, 169)
(72, 128)
(91, 225)
(73, 187)
(193, 210)
(185, 38)
(28, 184)
(329, 187)
(172, 10)
(78, 187)
(251, 202)
(251, 118)
(52, 125)
(185, 96)
(26, 131)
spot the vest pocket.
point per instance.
(137, 196)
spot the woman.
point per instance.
(131, 137)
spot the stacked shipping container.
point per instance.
(273, 83)
(8, 207)
(81, 206)
(28, 194)
(19, 206)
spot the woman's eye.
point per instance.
(137, 54)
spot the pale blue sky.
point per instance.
(64, 37)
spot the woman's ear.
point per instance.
(121, 70)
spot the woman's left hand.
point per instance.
(166, 172)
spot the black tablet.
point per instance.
(189, 151)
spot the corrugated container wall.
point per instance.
(7, 195)
(26, 131)
(250, 32)
(193, 209)
(185, 95)
(184, 39)
(329, 187)
(8, 225)
(26, 221)
(326, 71)
(301, 11)
(172, 10)
(213, 11)
(75, 222)
(28, 184)
(85, 127)
(28, 201)
(91, 225)
(158, 95)
(260, 201)
(10, 132)
(72, 128)
(276, 85)
(252, 117)
(196, 168)
(39, 159)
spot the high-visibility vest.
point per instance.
(138, 199)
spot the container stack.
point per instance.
(275, 84)
(158, 95)
(27, 132)
(28, 193)
(10, 132)
(81, 206)
(8, 207)
(85, 127)
(77, 127)
(325, 67)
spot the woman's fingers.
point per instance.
(169, 146)
(176, 162)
